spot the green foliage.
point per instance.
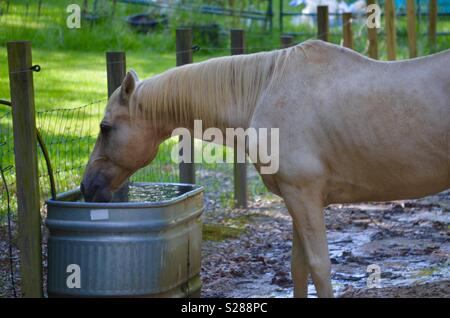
(219, 232)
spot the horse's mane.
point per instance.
(218, 91)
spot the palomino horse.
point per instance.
(351, 129)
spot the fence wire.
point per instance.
(70, 135)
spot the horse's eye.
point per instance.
(105, 128)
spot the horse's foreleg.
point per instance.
(306, 209)
(299, 267)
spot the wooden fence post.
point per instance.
(322, 23)
(390, 29)
(411, 13)
(84, 8)
(372, 35)
(432, 16)
(347, 29)
(280, 15)
(26, 162)
(286, 41)
(240, 169)
(270, 15)
(39, 8)
(184, 56)
(113, 11)
(116, 69)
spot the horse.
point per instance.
(351, 129)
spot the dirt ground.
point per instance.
(408, 240)
(246, 253)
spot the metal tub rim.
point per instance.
(59, 202)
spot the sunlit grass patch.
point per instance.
(219, 232)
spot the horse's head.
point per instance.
(123, 145)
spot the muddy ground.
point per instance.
(408, 240)
(246, 253)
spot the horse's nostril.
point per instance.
(82, 188)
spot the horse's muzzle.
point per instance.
(96, 189)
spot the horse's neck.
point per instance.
(222, 92)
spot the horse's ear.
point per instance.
(128, 85)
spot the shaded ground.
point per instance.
(408, 240)
(426, 290)
(246, 253)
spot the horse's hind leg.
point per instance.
(299, 267)
(306, 209)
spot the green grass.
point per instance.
(230, 228)
(74, 78)
(74, 74)
(219, 232)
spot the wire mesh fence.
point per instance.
(7, 202)
(70, 134)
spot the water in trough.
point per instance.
(152, 193)
(156, 192)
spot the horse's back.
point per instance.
(379, 129)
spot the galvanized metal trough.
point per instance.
(126, 249)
